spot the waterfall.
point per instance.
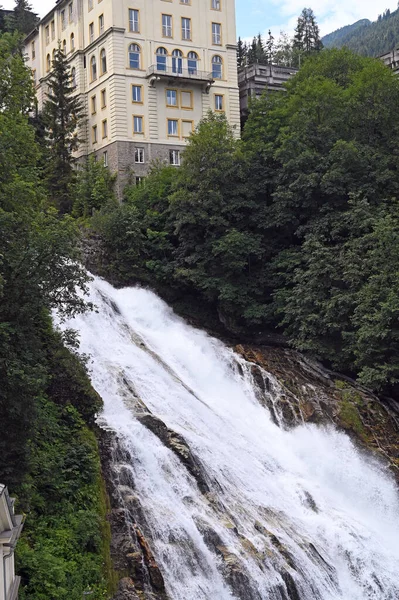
(234, 505)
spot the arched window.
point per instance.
(177, 61)
(64, 47)
(53, 55)
(93, 68)
(73, 77)
(161, 55)
(134, 56)
(72, 42)
(48, 63)
(103, 61)
(192, 63)
(217, 67)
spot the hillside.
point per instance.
(337, 38)
(365, 37)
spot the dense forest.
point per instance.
(48, 450)
(366, 38)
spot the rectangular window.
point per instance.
(215, 4)
(216, 34)
(171, 98)
(63, 22)
(101, 24)
(70, 12)
(138, 124)
(90, 5)
(137, 94)
(187, 128)
(47, 30)
(103, 98)
(105, 128)
(185, 2)
(33, 50)
(219, 102)
(174, 157)
(139, 155)
(105, 157)
(186, 100)
(173, 127)
(93, 105)
(34, 76)
(139, 180)
(52, 24)
(91, 32)
(94, 134)
(167, 26)
(185, 28)
(134, 20)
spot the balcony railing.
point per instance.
(180, 73)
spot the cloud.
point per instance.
(330, 14)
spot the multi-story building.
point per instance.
(147, 70)
(10, 529)
(254, 79)
(391, 59)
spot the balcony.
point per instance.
(165, 72)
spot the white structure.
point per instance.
(148, 71)
(10, 529)
(391, 59)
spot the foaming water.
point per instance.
(288, 512)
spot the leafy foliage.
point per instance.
(94, 188)
(48, 457)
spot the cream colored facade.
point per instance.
(148, 71)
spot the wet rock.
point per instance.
(126, 590)
(236, 575)
(309, 501)
(290, 584)
(179, 446)
(153, 569)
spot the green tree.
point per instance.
(307, 36)
(94, 188)
(24, 19)
(321, 162)
(283, 52)
(241, 53)
(216, 251)
(270, 48)
(62, 115)
(38, 261)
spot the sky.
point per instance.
(255, 16)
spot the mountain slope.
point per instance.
(366, 38)
(338, 37)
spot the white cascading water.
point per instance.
(302, 501)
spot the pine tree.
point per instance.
(283, 52)
(270, 48)
(241, 53)
(62, 115)
(23, 19)
(307, 35)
